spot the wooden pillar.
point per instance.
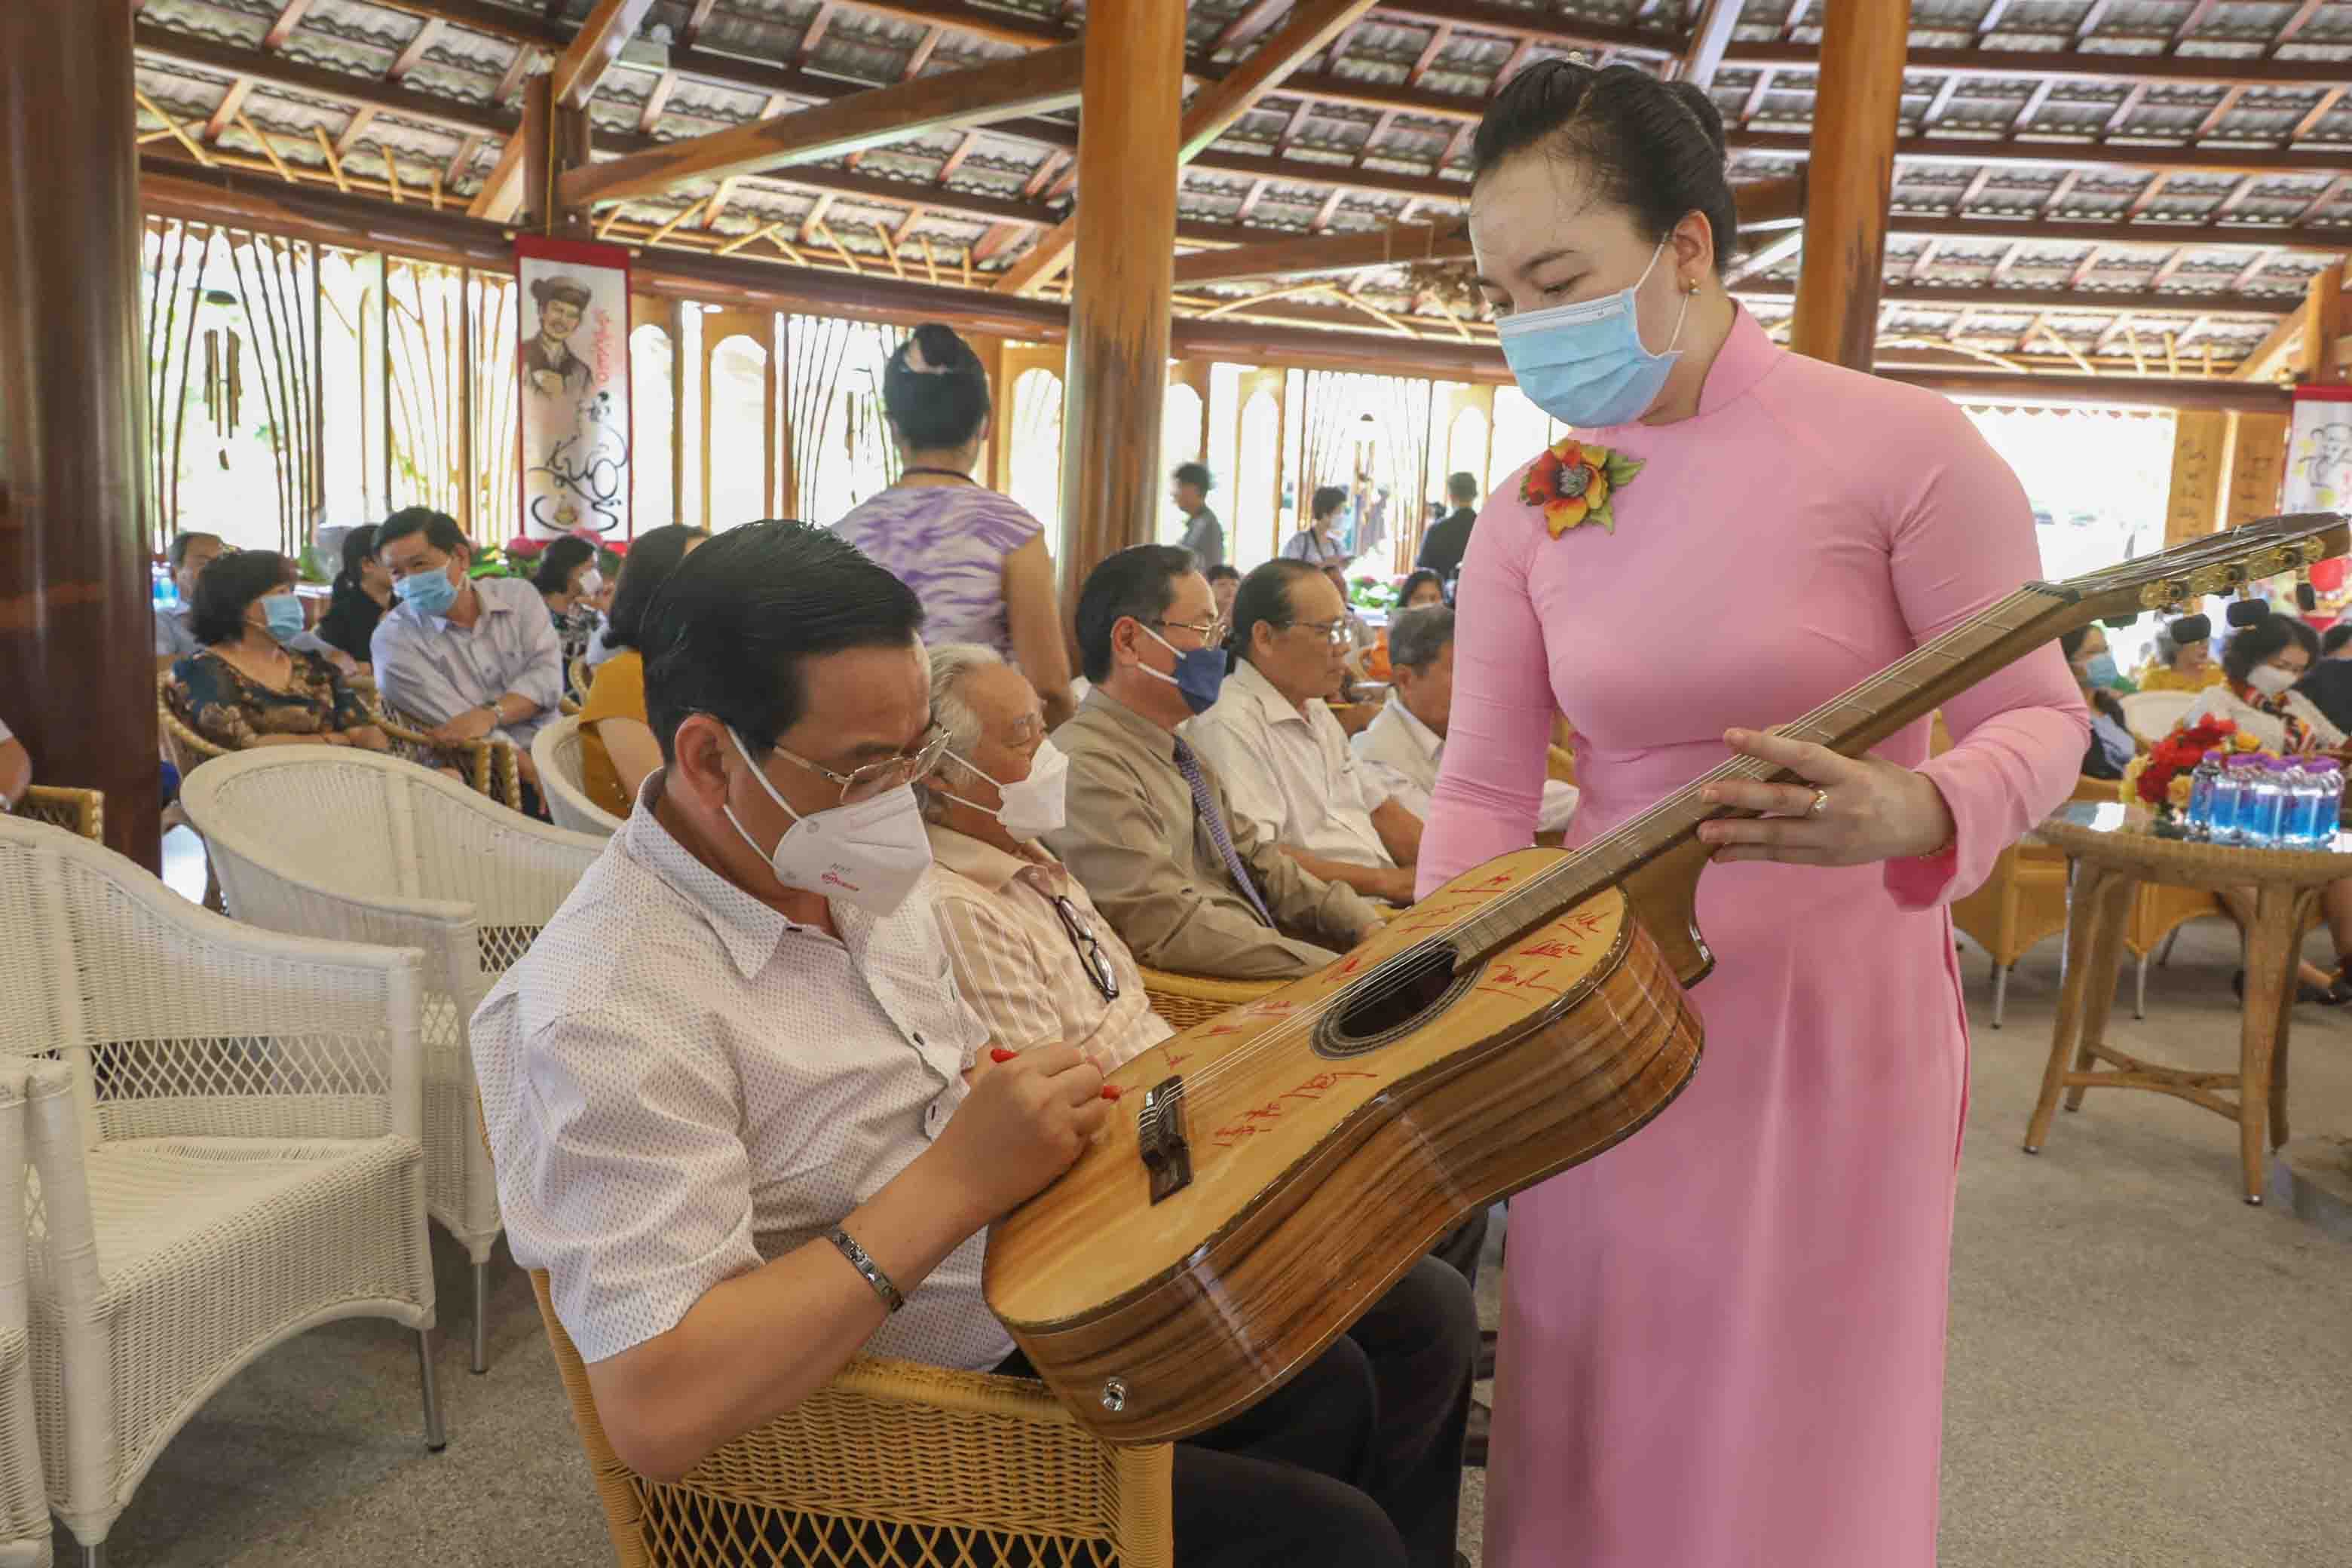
(1859, 99)
(1120, 281)
(77, 628)
(2327, 317)
(2257, 467)
(2200, 441)
(555, 138)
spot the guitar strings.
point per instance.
(1634, 832)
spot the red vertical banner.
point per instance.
(573, 340)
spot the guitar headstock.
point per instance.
(2219, 563)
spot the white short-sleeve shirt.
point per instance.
(1288, 772)
(680, 1084)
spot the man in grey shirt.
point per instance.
(1205, 536)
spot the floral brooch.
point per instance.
(1574, 484)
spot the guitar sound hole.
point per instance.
(1393, 996)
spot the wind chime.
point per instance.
(223, 385)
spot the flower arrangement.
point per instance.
(1574, 484)
(2160, 777)
(1366, 591)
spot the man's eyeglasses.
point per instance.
(1091, 956)
(1212, 631)
(880, 778)
(1334, 632)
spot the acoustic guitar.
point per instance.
(1279, 1167)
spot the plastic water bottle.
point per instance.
(2327, 807)
(166, 593)
(2264, 804)
(2202, 781)
(2228, 796)
(2296, 818)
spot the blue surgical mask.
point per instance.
(2100, 670)
(283, 614)
(1584, 364)
(431, 592)
(1199, 674)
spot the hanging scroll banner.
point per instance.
(573, 305)
(2319, 452)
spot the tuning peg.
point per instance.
(2246, 612)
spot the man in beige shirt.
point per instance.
(1189, 884)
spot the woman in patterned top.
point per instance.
(244, 687)
(977, 559)
(567, 578)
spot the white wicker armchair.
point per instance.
(338, 843)
(236, 1157)
(556, 753)
(24, 1498)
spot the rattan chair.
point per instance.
(496, 775)
(476, 759)
(235, 1159)
(1185, 1000)
(556, 753)
(364, 847)
(891, 1462)
(579, 678)
(25, 1531)
(82, 811)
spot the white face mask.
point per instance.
(1033, 806)
(870, 855)
(592, 583)
(2271, 680)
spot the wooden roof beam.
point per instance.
(2071, 65)
(289, 17)
(957, 100)
(1709, 41)
(2271, 355)
(2061, 301)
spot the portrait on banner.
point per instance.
(2319, 450)
(574, 332)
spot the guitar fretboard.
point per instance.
(1849, 723)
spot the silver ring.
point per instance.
(1820, 799)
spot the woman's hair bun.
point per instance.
(934, 389)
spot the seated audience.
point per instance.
(1448, 540)
(1205, 536)
(471, 658)
(2329, 683)
(2257, 688)
(2113, 745)
(1030, 952)
(568, 584)
(2182, 659)
(1284, 758)
(1420, 590)
(976, 559)
(1224, 582)
(15, 768)
(616, 746)
(1189, 883)
(731, 1088)
(176, 636)
(1402, 749)
(245, 685)
(1319, 540)
(362, 590)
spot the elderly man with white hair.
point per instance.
(1030, 953)
(1402, 747)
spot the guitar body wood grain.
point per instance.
(1321, 1171)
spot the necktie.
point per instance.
(1205, 809)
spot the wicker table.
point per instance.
(2110, 864)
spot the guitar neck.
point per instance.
(1850, 724)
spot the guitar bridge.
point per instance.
(1159, 1138)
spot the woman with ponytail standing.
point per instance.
(976, 559)
(1723, 1341)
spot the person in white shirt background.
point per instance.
(1400, 749)
(1282, 755)
(745, 1122)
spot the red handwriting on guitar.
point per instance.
(1591, 923)
(1505, 980)
(1555, 948)
(1225, 1030)
(1177, 1059)
(1253, 1120)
